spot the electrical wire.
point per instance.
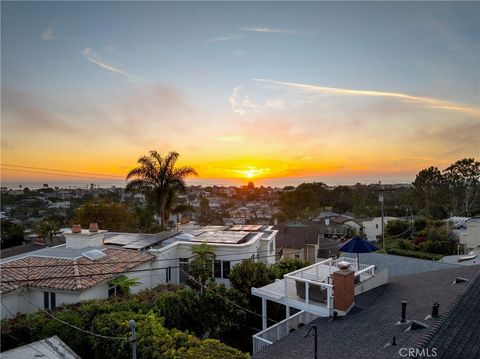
(6, 265)
(57, 170)
(91, 275)
(71, 325)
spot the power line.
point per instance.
(73, 326)
(57, 170)
(7, 266)
(60, 174)
(99, 274)
(231, 302)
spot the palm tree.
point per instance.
(200, 268)
(47, 228)
(159, 180)
(124, 284)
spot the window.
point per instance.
(221, 269)
(376, 226)
(49, 300)
(271, 247)
(183, 270)
(226, 269)
(112, 291)
(168, 274)
(217, 268)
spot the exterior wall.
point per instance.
(292, 253)
(373, 228)
(235, 253)
(473, 234)
(15, 303)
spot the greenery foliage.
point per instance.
(12, 234)
(157, 337)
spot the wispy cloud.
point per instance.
(426, 101)
(225, 38)
(271, 30)
(48, 33)
(241, 103)
(90, 56)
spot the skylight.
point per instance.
(94, 254)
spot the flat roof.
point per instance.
(229, 237)
(137, 240)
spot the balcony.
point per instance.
(278, 331)
(311, 288)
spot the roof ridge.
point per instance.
(423, 342)
(76, 272)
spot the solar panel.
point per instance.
(94, 254)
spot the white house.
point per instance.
(82, 268)
(78, 270)
(472, 239)
(230, 245)
(373, 227)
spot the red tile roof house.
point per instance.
(80, 270)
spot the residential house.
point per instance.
(373, 227)
(472, 239)
(305, 240)
(79, 270)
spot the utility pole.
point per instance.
(133, 339)
(381, 200)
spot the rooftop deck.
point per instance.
(317, 278)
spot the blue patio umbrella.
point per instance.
(357, 245)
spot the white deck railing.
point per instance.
(278, 331)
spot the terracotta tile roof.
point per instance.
(76, 274)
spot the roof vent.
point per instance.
(415, 325)
(460, 280)
(94, 255)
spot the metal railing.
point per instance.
(278, 331)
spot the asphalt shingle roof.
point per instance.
(398, 265)
(458, 334)
(366, 332)
(73, 274)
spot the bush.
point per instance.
(248, 274)
(397, 228)
(287, 265)
(414, 254)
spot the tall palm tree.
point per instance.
(159, 180)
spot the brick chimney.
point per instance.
(343, 289)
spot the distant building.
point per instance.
(472, 239)
(373, 227)
(305, 240)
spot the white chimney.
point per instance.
(84, 238)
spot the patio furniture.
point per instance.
(316, 293)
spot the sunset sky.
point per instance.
(279, 93)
